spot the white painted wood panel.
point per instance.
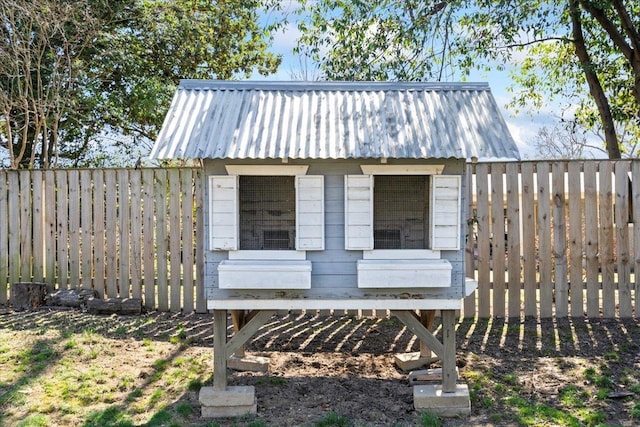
(404, 274)
(310, 212)
(445, 212)
(234, 274)
(223, 212)
(358, 212)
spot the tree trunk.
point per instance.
(595, 87)
(130, 306)
(27, 295)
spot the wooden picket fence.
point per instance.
(543, 238)
(122, 232)
(554, 238)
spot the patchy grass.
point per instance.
(74, 369)
(79, 375)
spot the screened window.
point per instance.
(400, 212)
(267, 212)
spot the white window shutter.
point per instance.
(358, 207)
(310, 212)
(223, 212)
(445, 212)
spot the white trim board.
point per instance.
(335, 304)
(267, 170)
(267, 255)
(400, 254)
(402, 169)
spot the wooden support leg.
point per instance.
(426, 318)
(219, 349)
(238, 317)
(449, 376)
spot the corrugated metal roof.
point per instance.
(333, 120)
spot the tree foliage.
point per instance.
(73, 72)
(585, 54)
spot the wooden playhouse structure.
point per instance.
(334, 195)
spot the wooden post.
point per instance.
(238, 318)
(449, 376)
(426, 318)
(219, 350)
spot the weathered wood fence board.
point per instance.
(110, 230)
(4, 236)
(529, 259)
(513, 238)
(576, 248)
(543, 238)
(484, 241)
(576, 287)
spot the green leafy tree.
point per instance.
(582, 53)
(79, 75)
(39, 47)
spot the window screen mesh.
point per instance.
(400, 212)
(267, 212)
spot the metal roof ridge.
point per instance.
(299, 85)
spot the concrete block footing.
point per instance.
(234, 401)
(431, 398)
(410, 361)
(248, 363)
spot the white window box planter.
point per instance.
(432, 273)
(272, 274)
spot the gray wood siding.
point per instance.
(334, 268)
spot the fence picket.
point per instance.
(124, 229)
(74, 228)
(560, 241)
(13, 207)
(622, 238)
(635, 199)
(4, 237)
(87, 231)
(513, 239)
(26, 218)
(498, 239)
(529, 260)
(591, 238)
(544, 240)
(576, 286)
(201, 297)
(99, 272)
(111, 235)
(484, 241)
(50, 243)
(148, 243)
(135, 260)
(160, 193)
(37, 227)
(607, 263)
(174, 242)
(62, 223)
(37, 238)
(469, 305)
(187, 227)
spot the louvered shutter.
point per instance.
(223, 213)
(445, 212)
(310, 212)
(358, 198)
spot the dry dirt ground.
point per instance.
(519, 371)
